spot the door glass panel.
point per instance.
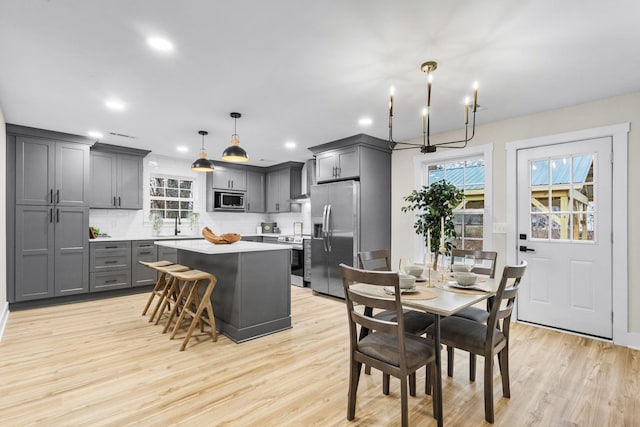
(540, 200)
(560, 226)
(539, 172)
(539, 226)
(563, 207)
(560, 171)
(583, 168)
(473, 226)
(583, 227)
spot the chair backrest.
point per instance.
(380, 279)
(511, 275)
(490, 256)
(378, 260)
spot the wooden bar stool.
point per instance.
(194, 299)
(159, 286)
(168, 295)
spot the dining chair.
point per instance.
(488, 268)
(490, 339)
(387, 346)
(415, 322)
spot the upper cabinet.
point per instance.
(338, 164)
(116, 177)
(50, 172)
(255, 192)
(283, 182)
(227, 178)
(354, 157)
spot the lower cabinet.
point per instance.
(146, 251)
(52, 251)
(109, 266)
(167, 254)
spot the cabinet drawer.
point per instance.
(143, 251)
(108, 280)
(109, 256)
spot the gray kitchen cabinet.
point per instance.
(227, 178)
(254, 201)
(283, 182)
(51, 172)
(338, 164)
(146, 251)
(116, 177)
(109, 265)
(52, 251)
(167, 254)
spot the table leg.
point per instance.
(437, 389)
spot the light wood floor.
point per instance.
(101, 363)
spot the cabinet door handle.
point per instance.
(50, 215)
(57, 215)
(111, 262)
(111, 281)
(338, 171)
(248, 206)
(57, 196)
(51, 195)
(114, 201)
(119, 201)
(111, 247)
(145, 253)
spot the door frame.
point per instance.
(619, 213)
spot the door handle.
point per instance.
(329, 233)
(57, 215)
(50, 214)
(526, 249)
(324, 228)
(114, 201)
(57, 196)
(51, 195)
(119, 201)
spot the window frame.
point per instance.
(148, 196)
(444, 155)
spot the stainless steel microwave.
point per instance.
(228, 200)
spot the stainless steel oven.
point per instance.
(300, 259)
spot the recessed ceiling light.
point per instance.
(365, 121)
(290, 145)
(95, 134)
(115, 104)
(182, 149)
(160, 44)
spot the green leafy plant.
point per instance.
(431, 204)
(157, 222)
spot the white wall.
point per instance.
(117, 222)
(604, 112)
(4, 305)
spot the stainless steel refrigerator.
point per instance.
(335, 217)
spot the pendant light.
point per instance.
(202, 164)
(235, 153)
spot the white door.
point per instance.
(564, 233)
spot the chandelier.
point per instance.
(427, 147)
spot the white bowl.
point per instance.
(465, 278)
(407, 282)
(415, 270)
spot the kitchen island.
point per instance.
(252, 296)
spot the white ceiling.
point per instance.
(302, 70)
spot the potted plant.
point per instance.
(156, 220)
(434, 215)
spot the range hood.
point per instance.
(308, 179)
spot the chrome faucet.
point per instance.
(177, 229)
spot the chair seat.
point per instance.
(415, 322)
(383, 346)
(473, 313)
(465, 334)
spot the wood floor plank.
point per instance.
(100, 363)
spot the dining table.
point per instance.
(441, 296)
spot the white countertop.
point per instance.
(145, 237)
(204, 247)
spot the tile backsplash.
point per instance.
(119, 223)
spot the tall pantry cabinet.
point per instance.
(47, 213)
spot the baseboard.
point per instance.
(633, 340)
(4, 318)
